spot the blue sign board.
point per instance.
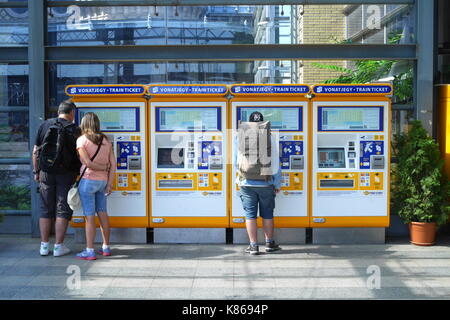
(356, 89)
(269, 89)
(102, 90)
(171, 90)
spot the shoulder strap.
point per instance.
(92, 159)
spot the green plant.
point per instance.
(421, 189)
(366, 71)
(15, 198)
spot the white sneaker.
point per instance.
(44, 250)
(61, 251)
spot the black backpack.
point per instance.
(57, 152)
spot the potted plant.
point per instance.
(421, 188)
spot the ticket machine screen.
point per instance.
(331, 158)
(114, 119)
(170, 157)
(281, 118)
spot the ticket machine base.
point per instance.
(189, 235)
(348, 236)
(281, 236)
(118, 235)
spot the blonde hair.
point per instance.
(90, 127)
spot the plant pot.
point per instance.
(422, 233)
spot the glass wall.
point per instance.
(13, 27)
(196, 25)
(14, 138)
(206, 25)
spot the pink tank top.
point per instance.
(101, 158)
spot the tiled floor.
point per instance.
(155, 271)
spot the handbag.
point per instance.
(73, 196)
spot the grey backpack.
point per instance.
(254, 150)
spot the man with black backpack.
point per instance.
(56, 166)
(259, 178)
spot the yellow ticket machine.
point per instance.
(286, 107)
(123, 118)
(350, 155)
(188, 156)
(444, 125)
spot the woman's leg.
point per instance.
(104, 227)
(101, 209)
(90, 231)
(87, 191)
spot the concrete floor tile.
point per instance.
(166, 293)
(131, 282)
(218, 282)
(124, 293)
(172, 282)
(217, 293)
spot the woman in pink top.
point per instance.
(96, 182)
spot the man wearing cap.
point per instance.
(260, 193)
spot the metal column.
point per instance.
(36, 56)
(426, 63)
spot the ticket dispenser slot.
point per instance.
(377, 162)
(350, 146)
(134, 162)
(297, 162)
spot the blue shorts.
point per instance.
(254, 197)
(92, 195)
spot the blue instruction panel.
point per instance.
(125, 149)
(287, 149)
(207, 149)
(367, 149)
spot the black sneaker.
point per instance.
(253, 250)
(272, 246)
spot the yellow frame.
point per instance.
(279, 222)
(192, 222)
(121, 222)
(371, 221)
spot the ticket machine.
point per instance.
(444, 125)
(286, 107)
(123, 118)
(350, 155)
(188, 156)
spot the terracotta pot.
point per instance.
(422, 233)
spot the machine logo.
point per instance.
(319, 89)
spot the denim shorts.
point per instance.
(92, 195)
(254, 197)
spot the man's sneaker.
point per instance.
(272, 246)
(85, 255)
(105, 252)
(253, 250)
(44, 250)
(60, 251)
